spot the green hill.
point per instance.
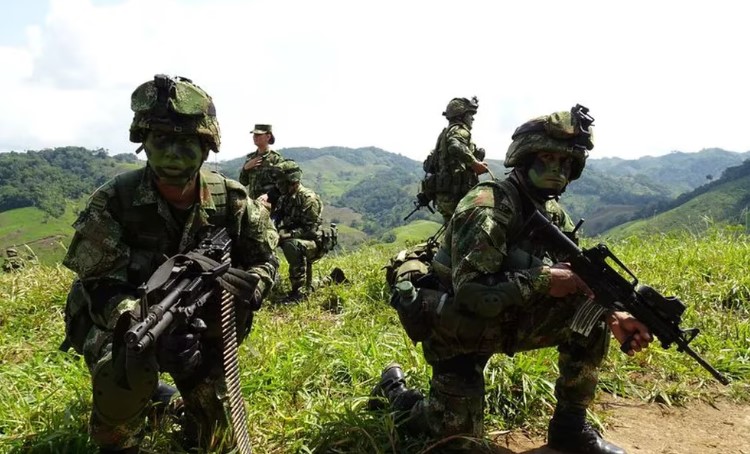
(725, 201)
(377, 185)
(412, 233)
(34, 232)
(46, 179)
(368, 190)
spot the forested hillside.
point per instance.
(367, 191)
(46, 179)
(725, 200)
(377, 184)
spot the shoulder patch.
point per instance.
(100, 198)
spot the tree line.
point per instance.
(47, 178)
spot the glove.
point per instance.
(240, 283)
(179, 354)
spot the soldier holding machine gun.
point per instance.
(133, 312)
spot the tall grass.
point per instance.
(307, 370)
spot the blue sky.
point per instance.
(657, 76)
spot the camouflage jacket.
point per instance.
(300, 214)
(261, 179)
(127, 230)
(484, 242)
(456, 153)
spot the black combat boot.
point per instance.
(293, 297)
(570, 432)
(392, 386)
(163, 394)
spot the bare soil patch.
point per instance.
(649, 428)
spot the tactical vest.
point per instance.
(144, 228)
(452, 177)
(145, 233)
(521, 252)
(291, 210)
(431, 168)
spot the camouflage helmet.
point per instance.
(11, 252)
(175, 105)
(570, 133)
(289, 172)
(457, 107)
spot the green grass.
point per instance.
(308, 369)
(414, 232)
(32, 231)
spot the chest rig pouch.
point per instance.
(416, 293)
(150, 237)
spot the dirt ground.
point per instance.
(640, 428)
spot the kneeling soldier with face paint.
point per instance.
(510, 294)
(129, 228)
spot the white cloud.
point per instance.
(658, 76)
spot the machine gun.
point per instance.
(171, 300)
(181, 288)
(661, 314)
(422, 201)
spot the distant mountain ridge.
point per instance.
(369, 191)
(724, 200)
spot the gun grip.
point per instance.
(625, 346)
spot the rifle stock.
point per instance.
(661, 314)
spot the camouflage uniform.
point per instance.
(12, 261)
(481, 246)
(115, 249)
(299, 219)
(126, 231)
(500, 302)
(455, 153)
(261, 179)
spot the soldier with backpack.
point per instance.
(455, 164)
(493, 288)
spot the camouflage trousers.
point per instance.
(301, 254)
(455, 404)
(205, 423)
(446, 205)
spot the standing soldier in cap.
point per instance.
(456, 163)
(257, 173)
(299, 215)
(511, 295)
(130, 226)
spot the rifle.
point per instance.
(661, 314)
(422, 201)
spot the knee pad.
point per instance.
(119, 396)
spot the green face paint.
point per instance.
(175, 158)
(550, 171)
